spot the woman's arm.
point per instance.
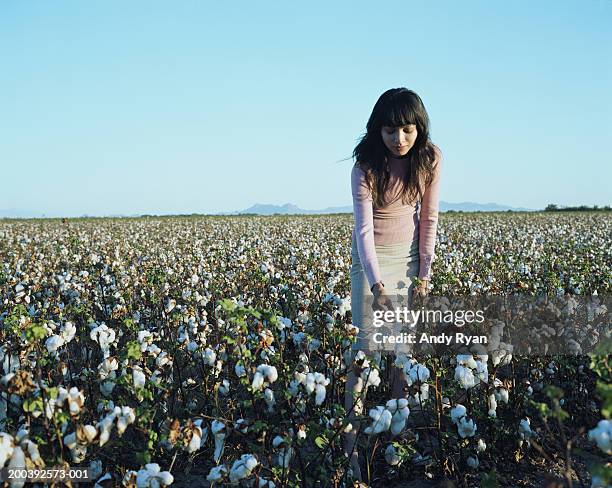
(428, 221)
(364, 225)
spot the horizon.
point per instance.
(502, 209)
(143, 123)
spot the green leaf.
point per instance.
(321, 441)
(35, 332)
(133, 350)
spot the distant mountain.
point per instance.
(290, 209)
(480, 207)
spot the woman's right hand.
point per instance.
(381, 300)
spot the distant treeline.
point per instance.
(582, 208)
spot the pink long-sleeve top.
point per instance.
(396, 222)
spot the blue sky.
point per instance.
(113, 107)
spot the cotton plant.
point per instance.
(312, 382)
(381, 420)
(469, 372)
(104, 336)
(195, 435)
(524, 430)
(602, 435)
(79, 440)
(138, 377)
(269, 399)
(242, 468)
(217, 474)
(217, 429)
(285, 452)
(19, 451)
(400, 411)
(151, 476)
(465, 427)
(501, 393)
(265, 374)
(391, 455)
(122, 416)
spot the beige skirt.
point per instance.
(399, 265)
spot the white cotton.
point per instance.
(209, 356)
(466, 428)
(284, 457)
(602, 435)
(466, 360)
(17, 461)
(258, 381)
(217, 473)
(217, 430)
(525, 428)
(6, 447)
(481, 446)
(138, 377)
(242, 467)
(105, 426)
(391, 455)
(319, 394)
(502, 395)
(482, 373)
(224, 387)
(269, 399)
(457, 412)
(381, 420)
(419, 373)
(53, 343)
(126, 417)
(371, 377)
(152, 476)
(465, 377)
(239, 369)
(492, 406)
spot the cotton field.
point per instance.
(156, 351)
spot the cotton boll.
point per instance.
(239, 370)
(217, 430)
(138, 377)
(217, 474)
(258, 381)
(602, 435)
(457, 412)
(481, 446)
(319, 394)
(466, 428)
(269, 399)
(224, 387)
(492, 406)
(391, 455)
(381, 420)
(525, 428)
(209, 356)
(502, 395)
(472, 462)
(465, 377)
(7, 447)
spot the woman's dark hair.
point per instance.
(395, 108)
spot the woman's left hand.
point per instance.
(422, 289)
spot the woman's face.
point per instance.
(399, 140)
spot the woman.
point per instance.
(395, 186)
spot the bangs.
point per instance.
(398, 114)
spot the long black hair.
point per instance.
(395, 108)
